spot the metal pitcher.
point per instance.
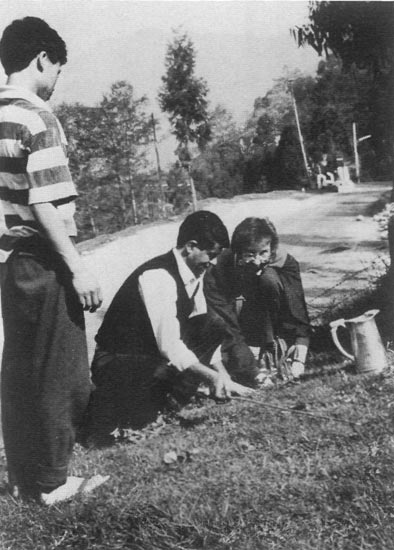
(367, 346)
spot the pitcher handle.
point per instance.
(334, 327)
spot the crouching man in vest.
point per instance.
(157, 338)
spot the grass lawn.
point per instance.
(301, 467)
(241, 476)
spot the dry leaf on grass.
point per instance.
(171, 457)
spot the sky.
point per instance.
(241, 46)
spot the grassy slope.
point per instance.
(247, 477)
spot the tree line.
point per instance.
(110, 144)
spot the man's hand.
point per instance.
(220, 386)
(88, 290)
(85, 285)
(223, 388)
(240, 390)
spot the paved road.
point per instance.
(339, 252)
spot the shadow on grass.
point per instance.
(379, 205)
(321, 241)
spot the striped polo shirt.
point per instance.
(33, 167)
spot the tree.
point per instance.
(223, 126)
(107, 153)
(271, 115)
(218, 169)
(289, 160)
(123, 134)
(337, 100)
(183, 97)
(361, 35)
(178, 193)
(79, 122)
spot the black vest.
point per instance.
(126, 327)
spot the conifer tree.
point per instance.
(184, 97)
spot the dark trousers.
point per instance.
(45, 383)
(130, 390)
(264, 307)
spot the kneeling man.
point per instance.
(157, 337)
(256, 288)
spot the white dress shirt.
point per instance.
(158, 291)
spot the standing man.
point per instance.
(45, 287)
(157, 337)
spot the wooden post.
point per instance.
(194, 194)
(390, 228)
(185, 160)
(192, 188)
(390, 280)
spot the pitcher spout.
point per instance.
(367, 316)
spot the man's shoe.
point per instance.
(74, 486)
(297, 369)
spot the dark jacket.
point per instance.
(224, 283)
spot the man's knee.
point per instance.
(270, 283)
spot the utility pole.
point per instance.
(356, 157)
(356, 141)
(159, 172)
(301, 139)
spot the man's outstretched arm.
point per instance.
(159, 294)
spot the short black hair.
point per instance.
(25, 38)
(204, 227)
(251, 231)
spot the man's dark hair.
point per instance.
(204, 227)
(25, 38)
(252, 230)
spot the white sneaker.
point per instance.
(72, 487)
(297, 369)
(256, 352)
(64, 492)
